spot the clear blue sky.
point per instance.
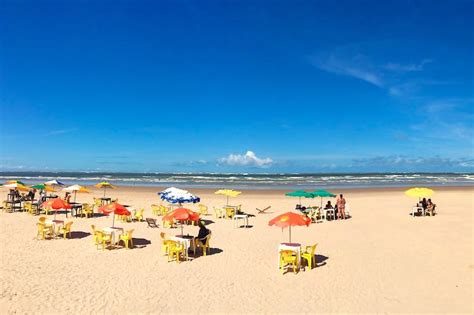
(306, 86)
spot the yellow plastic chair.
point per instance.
(165, 244)
(97, 203)
(229, 212)
(218, 213)
(176, 249)
(163, 210)
(308, 255)
(87, 210)
(103, 239)
(314, 214)
(44, 231)
(46, 210)
(29, 207)
(127, 238)
(155, 209)
(138, 215)
(204, 245)
(7, 207)
(168, 224)
(123, 218)
(65, 230)
(94, 234)
(202, 209)
(42, 219)
(288, 257)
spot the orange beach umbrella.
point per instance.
(56, 204)
(289, 219)
(116, 208)
(181, 214)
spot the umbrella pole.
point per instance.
(105, 189)
(75, 192)
(289, 229)
(182, 228)
(227, 201)
(113, 219)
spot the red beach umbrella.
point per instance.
(290, 219)
(116, 208)
(56, 204)
(181, 214)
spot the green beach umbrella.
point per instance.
(299, 194)
(44, 187)
(322, 193)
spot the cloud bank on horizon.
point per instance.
(247, 159)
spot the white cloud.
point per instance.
(356, 67)
(60, 132)
(409, 67)
(353, 63)
(247, 159)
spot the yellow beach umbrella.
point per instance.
(228, 193)
(14, 182)
(17, 186)
(76, 189)
(419, 192)
(104, 185)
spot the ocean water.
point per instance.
(250, 181)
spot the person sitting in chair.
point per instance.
(202, 234)
(328, 205)
(42, 196)
(424, 203)
(31, 195)
(67, 197)
(16, 194)
(430, 206)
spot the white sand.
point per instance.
(381, 260)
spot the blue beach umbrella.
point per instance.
(175, 195)
(54, 182)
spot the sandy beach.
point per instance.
(380, 260)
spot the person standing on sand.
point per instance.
(341, 206)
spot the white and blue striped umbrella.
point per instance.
(176, 195)
(54, 182)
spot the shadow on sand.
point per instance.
(199, 253)
(79, 234)
(140, 242)
(320, 260)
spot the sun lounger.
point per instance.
(261, 211)
(151, 222)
